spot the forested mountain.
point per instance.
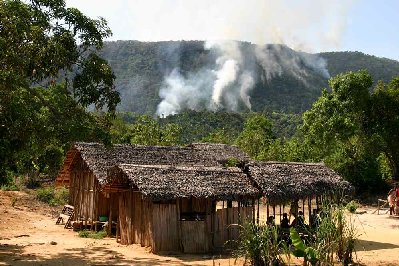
(280, 79)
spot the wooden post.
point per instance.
(310, 207)
(253, 210)
(109, 231)
(257, 215)
(267, 211)
(280, 213)
(274, 211)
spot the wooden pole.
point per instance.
(267, 212)
(257, 215)
(110, 215)
(310, 208)
(280, 213)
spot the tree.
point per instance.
(384, 121)
(341, 129)
(41, 44)
(256, 136)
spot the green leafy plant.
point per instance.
(91, 234)
(260, 244)
(352, 206)
(301, 250)
(52, 196)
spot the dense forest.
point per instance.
(285, 81)
(61, 84)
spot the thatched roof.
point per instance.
(284, 181)
(165, 182)
(100, 158)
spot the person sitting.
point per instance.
(270, 220)
(285, 223)
(299, 221)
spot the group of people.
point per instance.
(393, 200)
(299, 218)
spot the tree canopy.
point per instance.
(49, 72)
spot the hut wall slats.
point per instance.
(225, 221)
(194, 237)
(165, 236)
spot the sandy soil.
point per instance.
(29, 236)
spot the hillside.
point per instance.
(191, 76)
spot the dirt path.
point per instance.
(29, 236)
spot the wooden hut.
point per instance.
(128, 196)
(174, 208)
(282, 183)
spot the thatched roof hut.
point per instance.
(167, 182)
(100, 158)
(281, 182)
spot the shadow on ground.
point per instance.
(16, 255)
(366, 245)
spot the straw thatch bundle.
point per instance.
(281, 182)
(100, 158)
(165, 182)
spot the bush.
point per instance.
(90, 234)
(9, 187)
(52, 196)
(352, 206)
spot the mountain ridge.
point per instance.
(283, 80)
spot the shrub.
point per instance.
(352, 206)
(90, 234)
(52, 196)
(261, 245)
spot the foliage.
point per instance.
(352, 206)
(301, 251)
(260, 244)
(145, 131)
(52, 196)
(90, 234)
(231, 162)
(43, 47)
(350, 128)
(256, 136)
(141, 68)
(335, 234)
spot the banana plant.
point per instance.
(302, 251)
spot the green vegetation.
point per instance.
(53, 196)
(140, 68)
(91, 234)
(333, 238)
(261, 245)
(50, 74)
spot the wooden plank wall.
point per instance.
(85, 195)
(226, 223)
(165, 227)
(194, 238)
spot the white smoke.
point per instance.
(225, 76)
(225, 87)
(229, 83)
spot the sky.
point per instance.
(368, 26)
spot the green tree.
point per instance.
(339, 131)
(384, 121)
(256, 136)
(41, 44)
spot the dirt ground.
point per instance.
(29, 236)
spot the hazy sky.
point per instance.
(369, 26)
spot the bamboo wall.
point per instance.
(135, 218)
(84, 193)
(158, 225)
(226, 223)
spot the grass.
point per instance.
(91, 234)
